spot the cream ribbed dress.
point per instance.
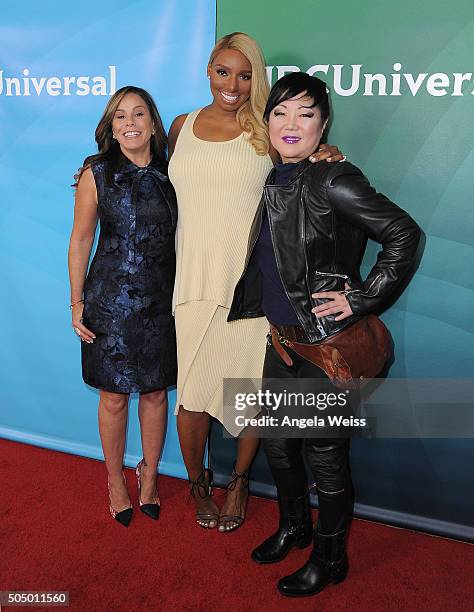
(218, 186)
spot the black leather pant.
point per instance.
(327, 458)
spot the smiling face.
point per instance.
(132, 124)
(230, 79)
(295, 128)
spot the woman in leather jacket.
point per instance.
(302, 272)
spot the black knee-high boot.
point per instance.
(295, 526)
(294, 530)
(328, 561)
(327, 564)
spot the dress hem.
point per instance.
(134, 390)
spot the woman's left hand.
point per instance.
(337, 304)
(327, 152)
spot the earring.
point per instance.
(208, 76)
(113, 136)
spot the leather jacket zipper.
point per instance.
(367, 291)
(344, 276)
(303, 238)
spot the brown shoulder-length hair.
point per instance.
(108, 147)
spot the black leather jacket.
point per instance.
(319, 224)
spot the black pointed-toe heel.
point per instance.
(124, 516)
(153, 509)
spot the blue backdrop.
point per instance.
(59, 63)
(161, 45)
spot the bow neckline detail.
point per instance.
(129, 170)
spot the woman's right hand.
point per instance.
(81, 330)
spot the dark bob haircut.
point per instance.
(296, 83)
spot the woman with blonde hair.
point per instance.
(220, 157)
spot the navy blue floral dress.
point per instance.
(128, 290)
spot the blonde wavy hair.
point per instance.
(250, 114)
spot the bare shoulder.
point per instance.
(86, 181)
(175, 129)
(86, 188)
(178, 122)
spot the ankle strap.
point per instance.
(244, 476)
(201, 485)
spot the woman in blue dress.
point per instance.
(121, 307)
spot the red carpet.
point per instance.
(57, 534)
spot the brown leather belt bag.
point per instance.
(356, 353)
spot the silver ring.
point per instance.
(77, 330)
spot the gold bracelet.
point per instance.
(71, 306)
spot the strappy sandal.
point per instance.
(203, 487)
(234, 518)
